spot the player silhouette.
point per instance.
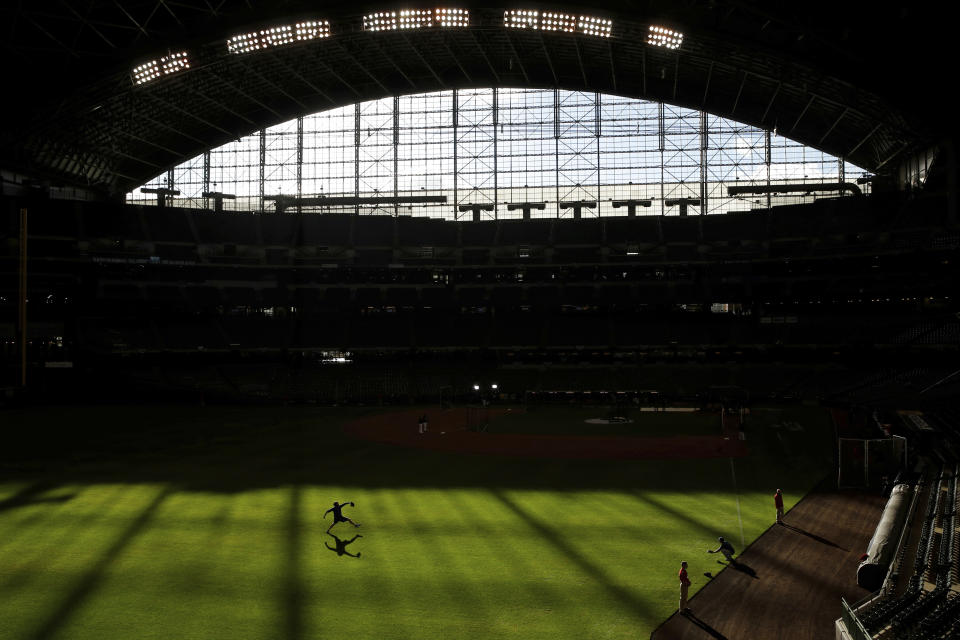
(338, 514)
(341, 548)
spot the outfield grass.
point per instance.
(211, 526)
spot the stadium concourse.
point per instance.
(700, 249)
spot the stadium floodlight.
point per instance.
(551, 21)
(452, 17)
(556, 21)
(416, 19)
(381, 21)
(591, 26)
(662, 37)
(164, 66)
(278, 36)
(521, 19)
(494, 386)
(476, 387)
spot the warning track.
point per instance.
(399, 428)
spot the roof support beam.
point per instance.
(246, 95)
(553, 72)
(59, 17)
(706, 87)
(892, 156)
(274, 85)
(483, 54)
(429, 66)
(583, 72)
(736, 102)
(862, 142)
(170, 11)
(516, 57)
(153, 12)
(92, 27)
(336, 75)
(456, 60)
(393, 61)
(136, 159)
(802, 113)
(225, 108)
(613, 68)
(131, 18)
(770, 104)
(181, 132)
(49, 35)
(176, 154)
(174, 107)
(643, 71)
(276, 58)
(363, 68)
(676, 74)
(833, 126)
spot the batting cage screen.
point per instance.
(867, 462)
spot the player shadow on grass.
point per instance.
(341, 545)
(814, 536)
(703, 625)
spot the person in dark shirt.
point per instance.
(725, 548)
(338, 516)
(778, 503)
(341, 548)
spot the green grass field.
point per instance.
(178, 522)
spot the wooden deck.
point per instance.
(789, 582)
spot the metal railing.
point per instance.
(854, 628)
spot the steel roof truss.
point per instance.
(613, 68)
(276, 58)
(553, 72)
(194, 116)
(363, 68)
(456, 60)
(274, 85)
(336, 75)
(516, 57)
(483, 54)
(243, 93)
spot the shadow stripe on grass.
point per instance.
(89, 583)
(634, 604)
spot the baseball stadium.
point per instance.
(537, 321)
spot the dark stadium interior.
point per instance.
(843, 295)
